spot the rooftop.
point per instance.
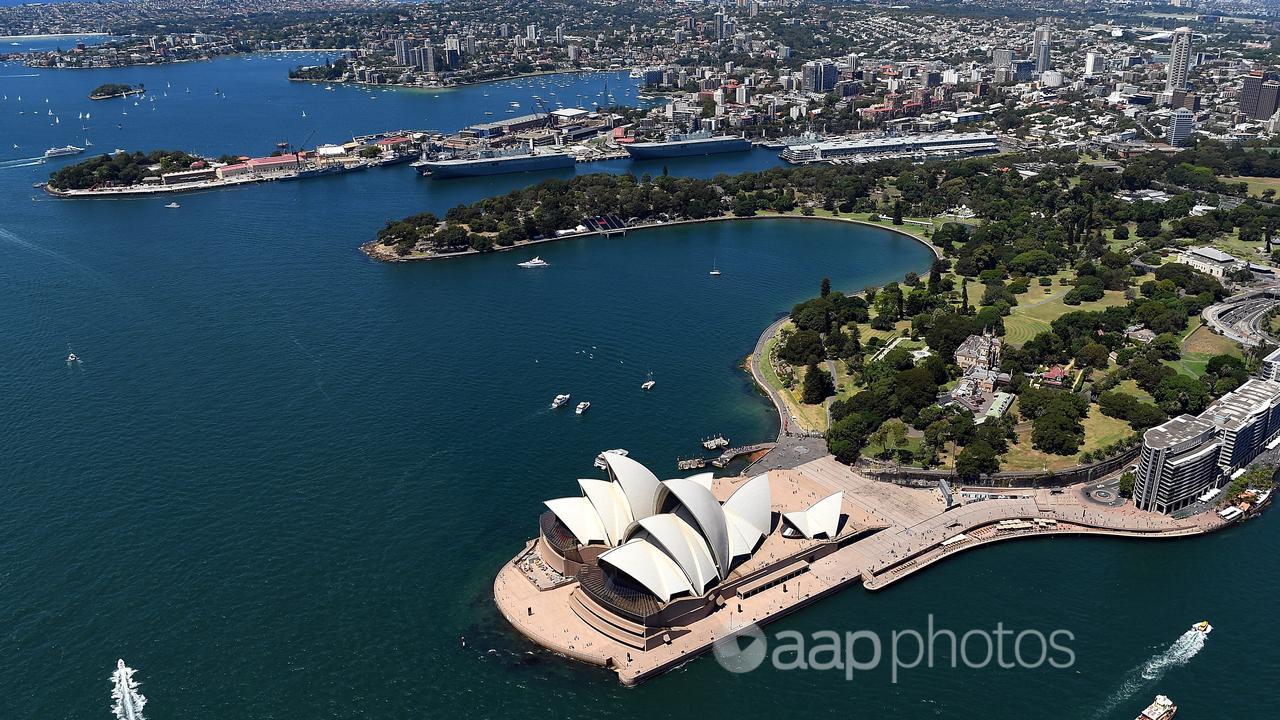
(1176, 430)
(1235, 408)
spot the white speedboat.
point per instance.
(647, 385)
(173, 205)
(72, 359)
(600, 463)
(1203, 627)
(582, 407)
(536, 262)
(560, 400)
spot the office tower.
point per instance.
(1023, 70)
(1041, 47)
(1249, 93)
(1092, 64)
(1180, 127)
(818, 76)
(1268, 100)
(1001, 58)
(1179, 60)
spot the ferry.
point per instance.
(716, 442)
(688, 145)
(1203, 627)
(582, 407)
(560, 400)
(1162, 709)
(64, 150)
(600, 459)
(536, 262)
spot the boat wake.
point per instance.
(21, 162)
(1187, 646)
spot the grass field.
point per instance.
(1099, 431)
(1036, 309)
(1257, 184)
(814, 417)
(1130, 387)
(1198, 346)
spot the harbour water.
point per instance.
(283, 476)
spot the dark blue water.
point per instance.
(284, 476)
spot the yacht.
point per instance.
(647, 385)
(715, 271)
(582, 407)
(560, 400)
(173, 206)
(600, 463)
(536, 262)
(64, 150)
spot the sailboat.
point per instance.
(715, 271)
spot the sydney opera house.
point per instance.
(640, 571)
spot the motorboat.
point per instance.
(582, 407)
(560, 400)
(173, 206)
(600, 459)
(648, 385)
(536, 262)
(72, 359)
(1203, 627)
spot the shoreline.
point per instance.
(373, 248)
(455, 86)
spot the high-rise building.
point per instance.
(1179, 60)
(719, 18)
(818, 76)
(1023, 70)
(1268, 100)
(469, 45)
(560, 34)
(1041, 48)
(1187, 455)
(531, 33)
(1001, 58)
(1181, 124)
(1249, 93)
(1092, 64)
(426, 59)
(402, 52)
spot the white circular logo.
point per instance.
(742, 650)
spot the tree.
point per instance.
(975, 460)
(897, 212)
(826, 287)
(891, 434)
(818, 385)
(1126, 484)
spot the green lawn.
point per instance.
(1130, 387)
(814, 417)
(1198, 345)
(1099, 431)
(1257, 184)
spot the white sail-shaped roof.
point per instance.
(650, 567)
(753, 503)
(640, 485)
(579, 515)
(822, 519)
(704, 479)
(610, 504)
(680, 541)
(699, 508)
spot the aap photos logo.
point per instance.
(742, 650)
